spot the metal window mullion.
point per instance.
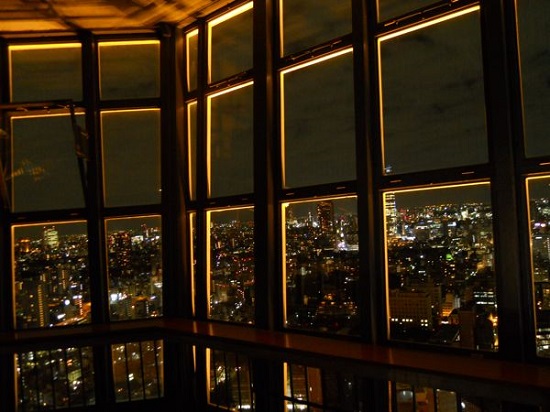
(67, 383)
(81, 363)
(157, 368)
(238, 370)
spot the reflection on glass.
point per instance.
(192, 258)
(318, 124)
(539, 221)
(440, 266)
(394, 8)
(129, 69)
(55, 379)
(231, 265)
(45, 72)
(230, 43)
(314, 389)
(229, 381)
(307, 23)
(138, 370)
(131, 157)
(44, 166)
(51, 275)
(230, 142)
(534, 31)
(192, 148)
(134, 251)
(192, 49)
(433, 114)
(322, 265)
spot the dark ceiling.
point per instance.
(18, 17)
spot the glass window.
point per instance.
(315, 389)
(44, 165)
(131, 157)
(440, 266)
(230, 116)
(51, 275)
(55, 379)
(318, 121)
(534, 31)
(395, 8)
(129, 69)
(539, 221)
(230, 43)
(134, 251)
(307, 23)
(433, 97)
(44, 72)
(229, 381)
(193, 259)
(231, 264)
(192, 148)
(322, 265)
(138, 370)
(192, 49)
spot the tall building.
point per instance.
(274, 205)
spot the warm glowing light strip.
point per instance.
(127, 43)
(315, 61)
(190, 160)
(428, 23)
(208, 270)
(129, 110)
(428, 188)
(192, 228)
(231, 14)
(36, 116)
(48, 46)
(232, 89)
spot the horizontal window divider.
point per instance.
(316, 52)
(436, 177)
(229, 82)
(313, 192)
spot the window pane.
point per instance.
(306, 23)
(231, 147)
(51, 275)
(322, 265)
(192, 148)
(231, 270)
(433, 114)
(129, 69)
(138, 370)
(229, 381)
(534, 31)
(319, 130)
(394, 8)
(44, 169)
(192, 59)
(134, 248)
(440, 268)
(231, 43)
(131, 157)
(46, 72)
(55, 379)
(539, 216)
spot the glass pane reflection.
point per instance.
(534, 32)
(230, 383)
(322, 265)
(131, 157)
(231, 142)
(231, 265)
(129, 69)
(51, 275)
(319, 125)
(44, 169)
(55, 379)
(307, 23)
(192, 59)
(192, 148)
(134, 251)
(539, 220)
(440, 266)
(434, 114)
(231, 43)
(138, 370)
(46, 72)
